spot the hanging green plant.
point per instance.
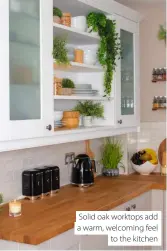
(110, 47)
(162, 33)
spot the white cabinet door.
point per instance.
(127, 75)
(27, 73)
(158, 205)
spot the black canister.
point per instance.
(32, 183)
(46, 179)
(55, 178)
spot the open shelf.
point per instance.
(75, 7)
(74, 36)
(65, 130)
(160, 108)
(72, 97)
(77, 67)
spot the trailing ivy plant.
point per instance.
(110, 47)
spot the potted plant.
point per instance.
(111, 156)
(1, 199)
(60, 51)
(89, 110)
(109, 48)
(162, 33)
(67, 86)
(57, 15)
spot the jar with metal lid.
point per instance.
(161, 102)
(154, 75)
(155, 103)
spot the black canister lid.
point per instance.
(52, 168)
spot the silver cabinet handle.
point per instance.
(49, 127)
(120, 121)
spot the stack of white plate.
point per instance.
(84, 90)
(58, 124)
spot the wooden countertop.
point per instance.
(44, 219)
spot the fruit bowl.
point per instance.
(144, 169)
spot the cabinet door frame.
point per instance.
(128, 120)
(22, 129)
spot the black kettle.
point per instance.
(82, 171)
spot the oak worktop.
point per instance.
(44, 219)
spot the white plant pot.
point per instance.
(87, 121)
(79, 23)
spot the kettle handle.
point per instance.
(93, 165)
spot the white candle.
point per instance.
(14, 208)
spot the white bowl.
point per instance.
(58, 115)
(144, 169)
(79, 23)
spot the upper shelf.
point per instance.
(74, 36)
(75, 7)
(77, 67)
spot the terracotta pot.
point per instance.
(71, 122)
(66, 19)
(71, 114)
(56, 19)
(79, 56)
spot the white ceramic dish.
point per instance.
(83, 87)
(58, 115)
(79, 23)
(144, 169)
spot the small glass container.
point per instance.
(15, 208)
(155, 103)
(154, 76)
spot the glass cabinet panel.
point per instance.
(24, 53)
(127, 73)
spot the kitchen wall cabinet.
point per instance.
(26, 107)
(27, 103)
(127, 75)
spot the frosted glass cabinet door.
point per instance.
(24, 52)
(29, 92)
(127, 78)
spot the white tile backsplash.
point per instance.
(151, 135)
(13, 163)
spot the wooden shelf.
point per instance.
(74, 36)
(160, 108)
(100, 98)
(77, 67)
(164, 81)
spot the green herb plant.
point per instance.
(57, 12)
(60, 51)
(1, 200)
(68, 83)
(111, 153)
(110, 47)
(88, 108)
(162, 33)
